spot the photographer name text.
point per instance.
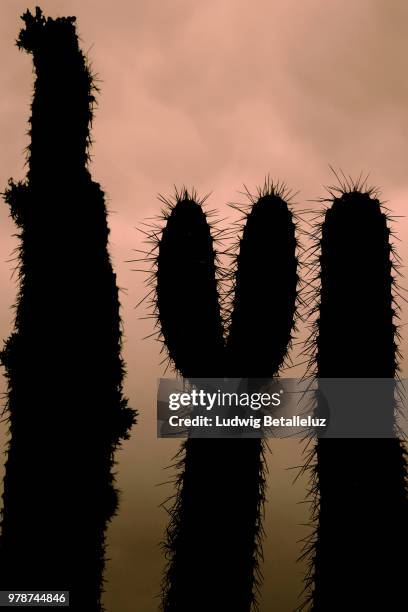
(253, 422)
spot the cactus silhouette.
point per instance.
(66, 411)
(213, 542)
(187, 295)
(360, 484)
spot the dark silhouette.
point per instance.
(360, 542)
(66, 411)
(214, 538)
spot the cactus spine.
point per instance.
(215, 529)
(66, 410)
(361, 526)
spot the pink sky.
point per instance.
(214, 95)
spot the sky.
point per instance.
(215, 95)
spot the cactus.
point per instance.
(66, 411)
(361, 508)
(213, 542)
(187, 295)
(264, 305)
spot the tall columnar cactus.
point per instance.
(361, 512)
(214, 537)
(66, 410)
